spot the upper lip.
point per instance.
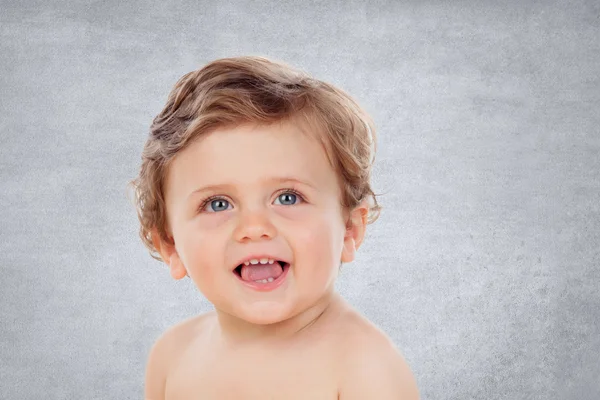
(258, 257)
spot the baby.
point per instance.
(255, 184)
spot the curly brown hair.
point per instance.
(230, 91)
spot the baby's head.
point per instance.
(251, 158)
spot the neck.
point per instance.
(236, 331)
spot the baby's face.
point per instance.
(253, 212)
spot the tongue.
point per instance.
(256, 272)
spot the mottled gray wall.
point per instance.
(483, 266)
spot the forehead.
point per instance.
(250, 154)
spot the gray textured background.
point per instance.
(483, 268)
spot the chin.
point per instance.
(264, 313)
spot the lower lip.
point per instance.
(265, 287)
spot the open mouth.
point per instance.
(263, 278)
(238, 270)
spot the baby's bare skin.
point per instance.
(318, 362)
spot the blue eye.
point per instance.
(217, 205)
(287, 196)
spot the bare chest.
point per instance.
(255, 374)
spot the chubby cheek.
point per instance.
(203, 260)
(318, 251)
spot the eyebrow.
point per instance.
(223, 186)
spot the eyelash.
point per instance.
(212, 198)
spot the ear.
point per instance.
(355, 231)
(168, 252)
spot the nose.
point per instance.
(254, 226)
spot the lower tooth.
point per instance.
(265, 280)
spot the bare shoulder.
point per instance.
(170, 345)
(372, 366)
